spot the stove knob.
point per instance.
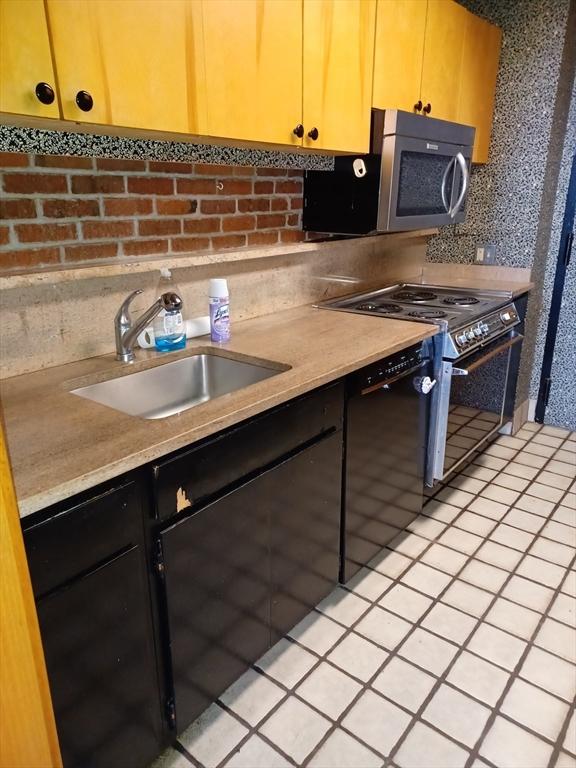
(461, 339)
(505, 317)
(485, 327)
(478, 331)
(470, 335)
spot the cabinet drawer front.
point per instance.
(189, 477)
(82, 536)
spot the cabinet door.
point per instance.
(479, 71)
(338, 66)
(138, 60)
(25, 58)
(443, 48)
(304, 499)
(398, 53)
(253, 58)
(97, 641)
(217, 593)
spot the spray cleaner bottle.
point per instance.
(219, 310)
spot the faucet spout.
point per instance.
(126, 332)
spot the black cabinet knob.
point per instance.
(45, 93)
(299, 130)
(418, 106)
(84, 101)
(313, 134)
(427, 109)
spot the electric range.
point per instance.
(467, 317)
(475, 358)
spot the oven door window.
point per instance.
(425, 183)
(477, 401)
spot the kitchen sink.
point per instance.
(170, 388)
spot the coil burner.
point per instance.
(460, 301)
(415, 297)
(428, 314)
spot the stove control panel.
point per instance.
(480, 331)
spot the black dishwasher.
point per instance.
(386, 425)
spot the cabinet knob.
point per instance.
(84, 101)
(45, 93)
(299, 130)
(418, 106)
(427, 109)
(313, 134)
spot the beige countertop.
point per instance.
(61, 444)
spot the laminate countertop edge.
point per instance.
(61, 444)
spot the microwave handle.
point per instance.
(461, 160)
(443, 186)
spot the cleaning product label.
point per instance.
(220, 319)
(173, 324)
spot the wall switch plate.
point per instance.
(486, 254)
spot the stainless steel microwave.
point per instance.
(415, 176)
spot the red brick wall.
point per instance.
(60, 210)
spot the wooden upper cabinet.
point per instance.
(398, 53)
(479, 72)
(443, 48)
(338, 66)
(137, 59)
(25, 59)
(253, 66)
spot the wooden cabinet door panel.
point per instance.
(443, 48)
(139, 60)
(338, 66)
(25, 58)
(479, 72)
(398, 53)
(253, 64)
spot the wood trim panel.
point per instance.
(27, 727)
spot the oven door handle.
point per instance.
(488, 356)
(443, 185)
(461, 160)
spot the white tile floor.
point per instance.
(456, 650)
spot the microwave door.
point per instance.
(417, 183)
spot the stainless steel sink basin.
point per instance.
(176, 386)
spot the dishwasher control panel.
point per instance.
(392, 367)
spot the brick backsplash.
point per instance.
(60, 210)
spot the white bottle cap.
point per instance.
(218, 288)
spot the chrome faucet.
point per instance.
(126, 333)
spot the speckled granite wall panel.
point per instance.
(45, 142)
(561, 409)
(511, 200)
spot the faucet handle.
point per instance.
(123, 315)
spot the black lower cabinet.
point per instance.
(99, 656)
(216, 576)
(89, 573)
(304, 506)
(245, 569)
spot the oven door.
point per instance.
(474, 398)
(422, 183)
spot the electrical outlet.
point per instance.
(486, 254)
